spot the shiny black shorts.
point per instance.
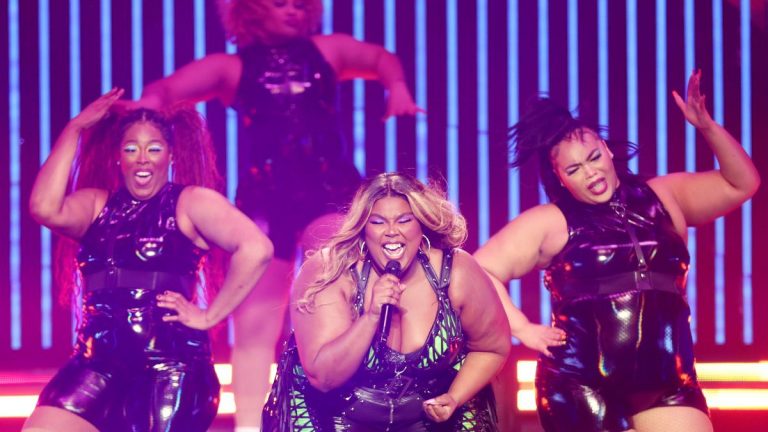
(133, 372)
(167, 396)
(624, 354)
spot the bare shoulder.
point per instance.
(549, 211)
(539, 223)
(466, 274)
(194, 192)
(464, 264)
(310, 272)
(333, 46)
(664, 187)
(194, 198)
(337, 39)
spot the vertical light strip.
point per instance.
(452, 134)
(232, 153)
(169, 60)
(632, 81)
(690, 156)
(137, 49)
(422, 146)
(327, 16)
(14, 171)
(746, 142)
(106, 45)
(74, 57)
(513, 115)
(719, 105)
(573, 55)
(543, 20)
(199, 52)
(45, 149)
(74, 109)
(602, 62)
(483, 174)
(661, 87)
(232, 174)
(390, 128)
(199, 20)
(543, 64)
(358, 132)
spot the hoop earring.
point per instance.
(429, 244)
(362, 248)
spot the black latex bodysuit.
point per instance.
(618, 292)
(130, 371)
(293, 163)
(387, 391)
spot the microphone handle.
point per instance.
(385, 320)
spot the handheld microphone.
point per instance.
(393, 268)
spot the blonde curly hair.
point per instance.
(439, 219)
(243, 20)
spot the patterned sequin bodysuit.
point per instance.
(388, 388)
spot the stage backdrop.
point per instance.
(473, 65)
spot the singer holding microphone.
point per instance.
(395, 327)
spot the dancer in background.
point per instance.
(614, 249)
(295, 170)
(142, 359)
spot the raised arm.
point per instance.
(351, 58)
(705, 196)
(215, 76)
(208, 218)
(488, 339)
(69, 215)
(331, 343)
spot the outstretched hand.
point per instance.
(540, 337)
(97, 109)
(694, 107)
(187, 312)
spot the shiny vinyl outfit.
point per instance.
(294, 164)
(130, 371)
(387, 391)
(618, 292)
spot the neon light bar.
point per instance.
(483, 174)
(45, 149)
(513, 115)
(452, 134)
(358, 30)
(390, 128)
(422, 146)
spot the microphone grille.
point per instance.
(392, 267)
